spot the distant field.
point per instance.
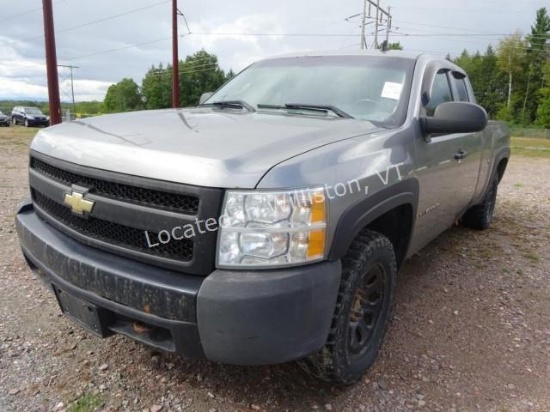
(17, 135)
(530, 147)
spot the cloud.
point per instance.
(21, 89)
(110, 40)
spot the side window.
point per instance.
(461, 88)
(440, 93)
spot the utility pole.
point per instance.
(51, 63)
(363, 24)
(72, 82)
(388, 26)
(175, 58)
(376, 24)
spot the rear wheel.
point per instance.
(362, 313)
(480, 216)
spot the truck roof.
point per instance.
(403, 54)
(319, 53)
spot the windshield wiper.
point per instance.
(233, 104)
(324, 108)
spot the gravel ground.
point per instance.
(471, 329)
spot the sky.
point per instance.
(113, 39)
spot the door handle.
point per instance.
(460, 155)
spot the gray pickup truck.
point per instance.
(267, 224)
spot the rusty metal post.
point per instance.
(51, 64)
(175, 59)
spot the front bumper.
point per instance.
(237, 317)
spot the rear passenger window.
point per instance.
(440, 93)
(461, 88)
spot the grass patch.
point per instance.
(17, 135)
(530, 147)
(532, 256)
(86, 403)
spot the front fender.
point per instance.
(367, 210)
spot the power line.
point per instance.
(477, 32)
(341, 34)
(129, 46)
(13, 16)
(526, 47)
(321, 35)
(94, 21)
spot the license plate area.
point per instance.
(86, 314)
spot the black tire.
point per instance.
(14, 121)
(27, 124)
(480, 216)
(362, 313)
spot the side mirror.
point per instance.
(455, 117)
(205, 97)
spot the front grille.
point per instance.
(120, 226)
(146, 197)
(114, 233)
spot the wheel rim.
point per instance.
(366, 309)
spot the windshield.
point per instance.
(32, 110)
(366, 87)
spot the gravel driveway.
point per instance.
(471, 330)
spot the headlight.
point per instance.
(268, 229)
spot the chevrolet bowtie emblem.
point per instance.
(78, 204)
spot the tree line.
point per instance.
(513, 81)
(199, 73)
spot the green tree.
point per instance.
(199, 73)
(543, 110)
(89, 108)
(230, 74)
(390, 46)
(492, 84)
(157, 87)
(510, 58)
(537, 52)
(395, 46)
(123, 97)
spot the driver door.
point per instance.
(447, 166)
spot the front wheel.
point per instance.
(27, 124)
(362, 314)
(14, 121)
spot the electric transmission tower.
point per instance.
(382, 21)
(71, 78)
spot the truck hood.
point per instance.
(203, 147)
